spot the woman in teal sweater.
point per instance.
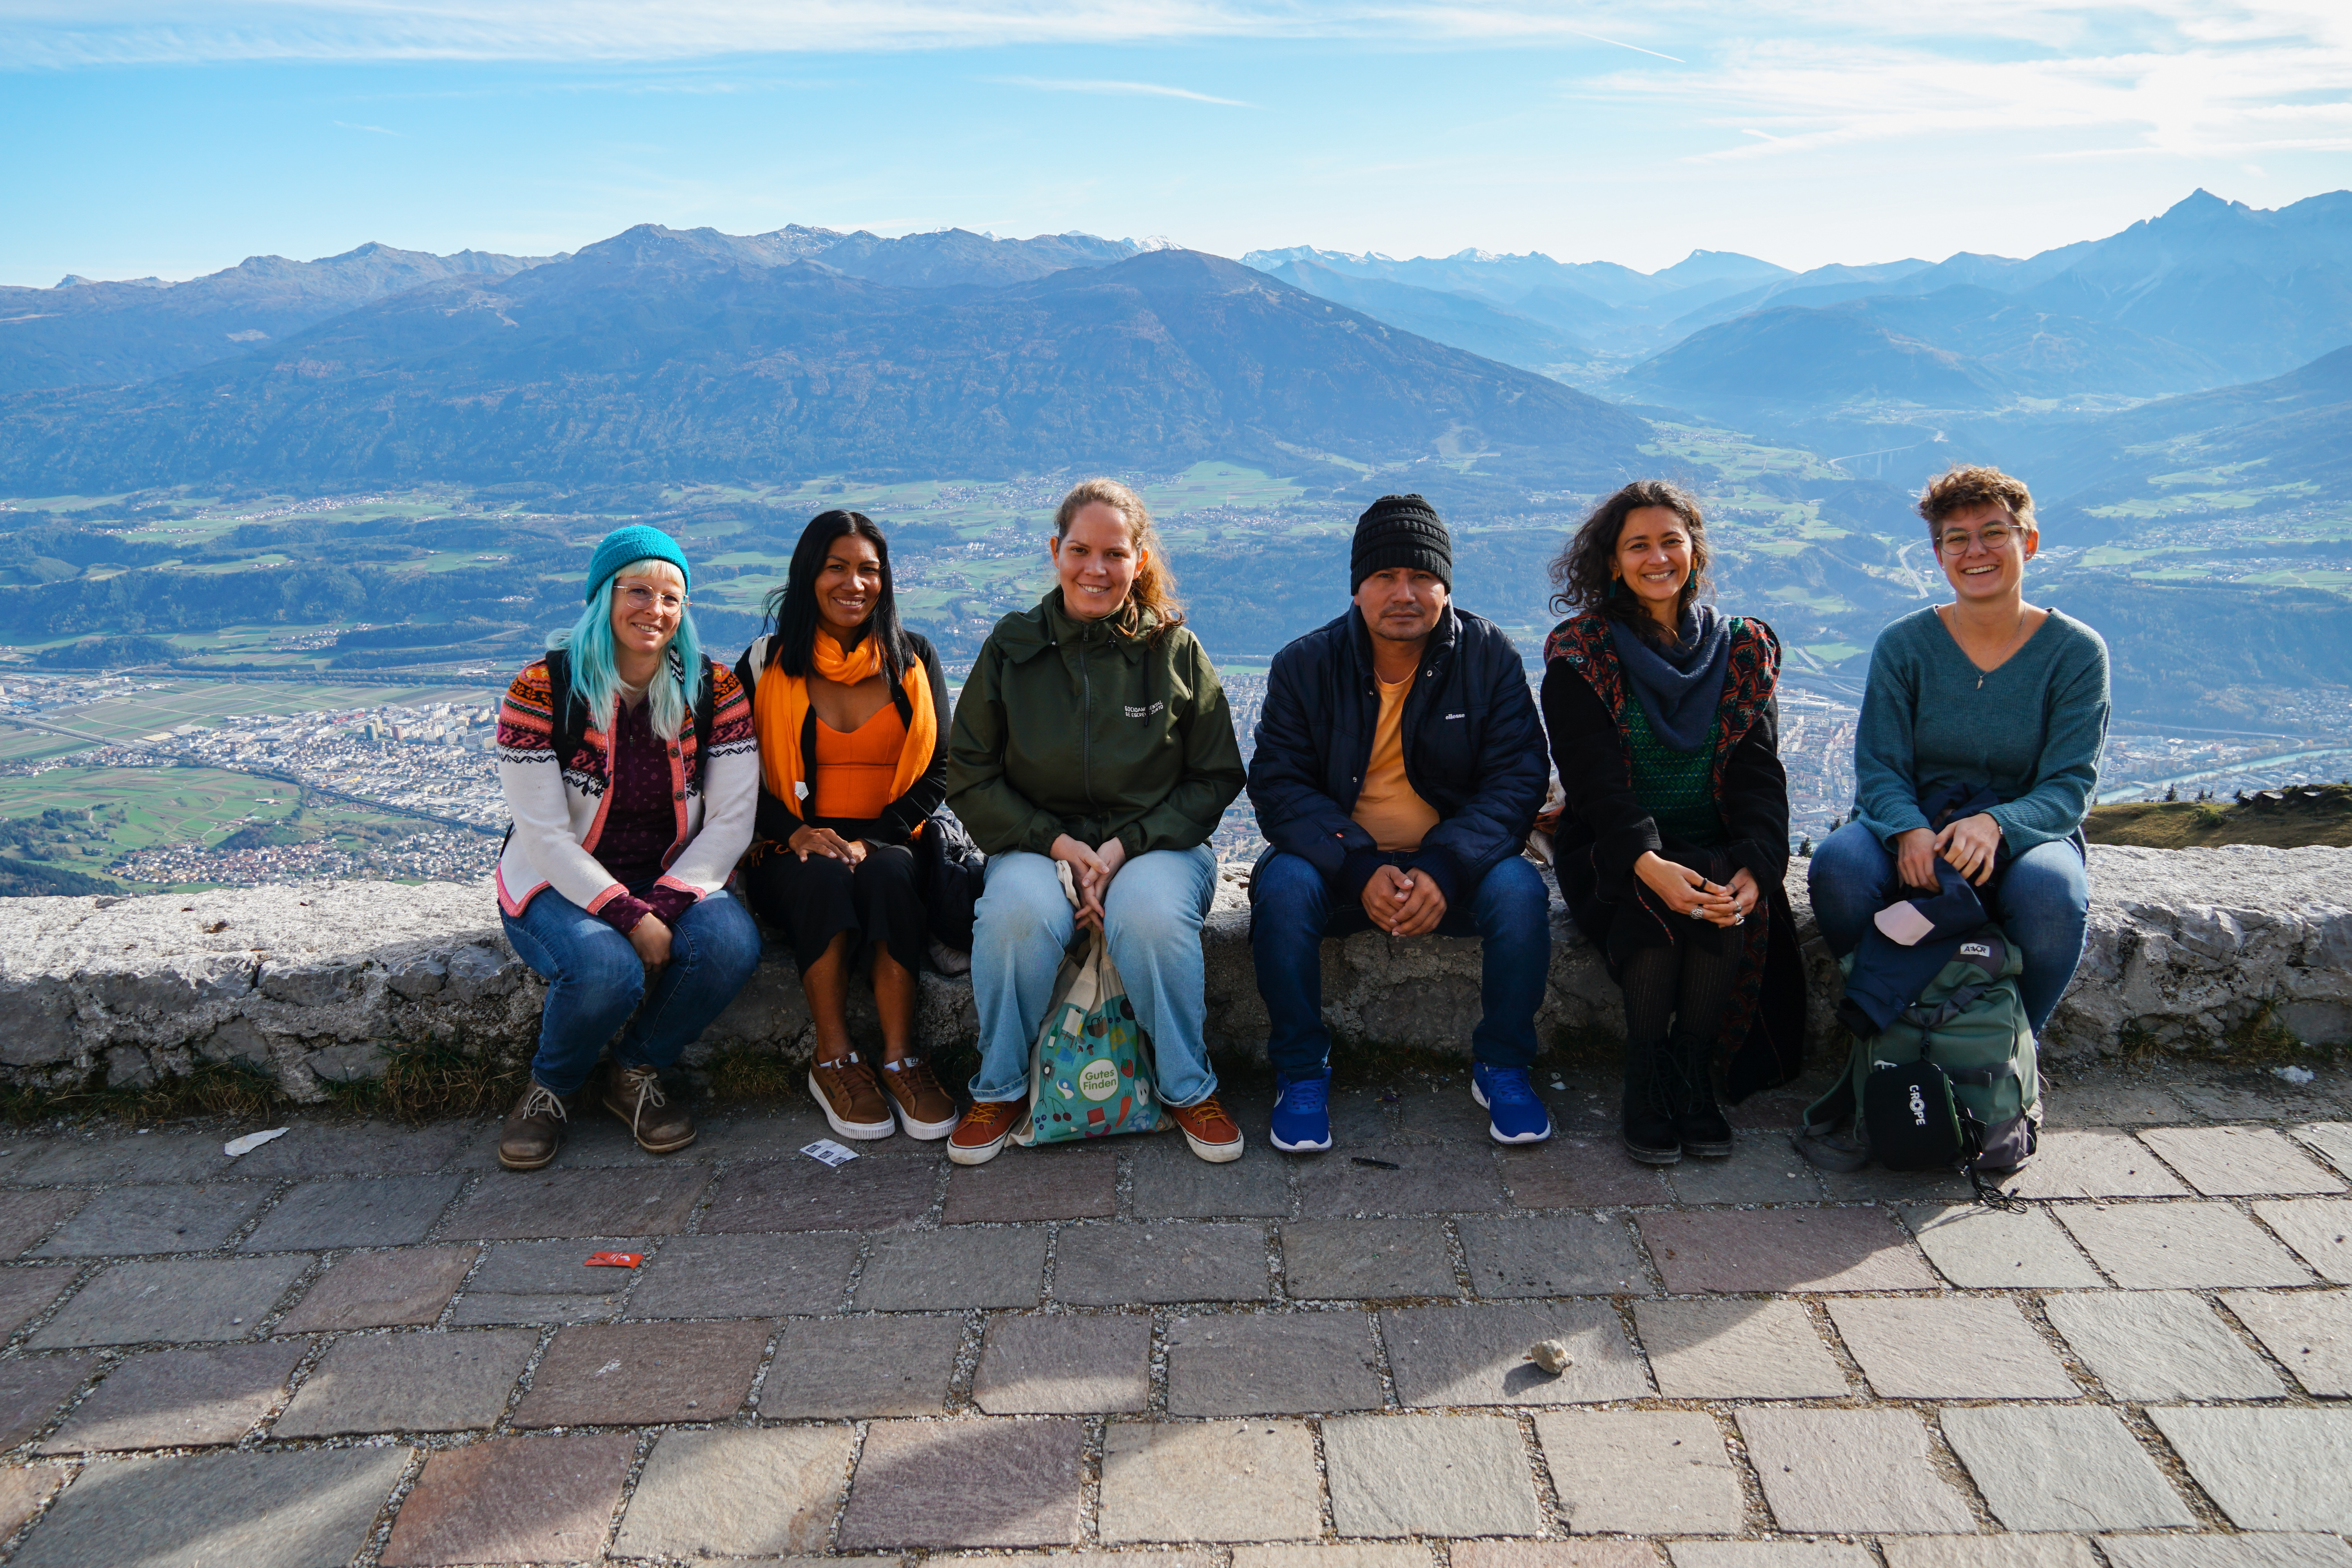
(1985, 693)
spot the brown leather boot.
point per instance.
(852, 1102)
(635, 1095)
(535, 1128)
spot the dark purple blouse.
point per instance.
(640, 821)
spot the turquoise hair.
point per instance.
(598, 681)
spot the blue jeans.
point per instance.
(595, 980)
(2042, 900)
(1152, 916)
(1294, 907)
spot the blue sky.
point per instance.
(150, 137)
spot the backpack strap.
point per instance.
(705, 707)
(569, 712)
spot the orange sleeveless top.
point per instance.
(850, 778)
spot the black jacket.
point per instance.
(1473, 749)
(776, 822)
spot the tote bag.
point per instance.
(1090, 1069)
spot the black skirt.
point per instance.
(816, 900)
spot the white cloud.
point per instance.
(1116, 90)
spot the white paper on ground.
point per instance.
(250, 1142)
(827, 1151)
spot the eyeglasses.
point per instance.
(1958, 542)
(640, 599)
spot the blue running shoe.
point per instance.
(1302, 1114)
(1514, 1114)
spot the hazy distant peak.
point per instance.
(1149, 242)
(75, 280)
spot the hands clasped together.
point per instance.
(1687, 892)
(1092, 869)
(1969, 845)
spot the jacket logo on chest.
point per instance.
(1457, 715)
(1135, 712)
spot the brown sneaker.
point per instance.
(983, 1129)
(1214, 1136)
(534, 1129)
(924, 1109)
(635, 1095)
(852, 1100)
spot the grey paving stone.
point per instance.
(513, 1206)
(1345, 1554)
(2244, 1097)
(1989, 1551)
(1763, 1168)
(25, 1490)
(737, 1492)
(801, 1194)
(31, 1389)
(545, 1282)
(2268, 1470)
(1071, 1181)
(630, 1375)
(409, 1382)
(1429, 1474)
(1171, 1182)
(1833, 1471)
(123, 1222)
(384, 1211)
(1641, 1472)
(1737, 1350)
(1768, 1554)
(2310, 1331)
(357, 1148)
(1210, 1481)
(2240, 1162)
(1366, 1259)
(380, 1290)
(745, 1275)
(2333, 1140)
(65, 1160)
(1783, 1249)
(2061, 1468)
(1877, 1184)
(2270, 1549)
(512, 1500)
(1064, 1364)
(2109, 1104)
(26, 1216)
(1162, 1260)
(25, 1294)
(173, 1399)
(2093, 1164)
(2190, 1246)
(2160, 1344)
(1429, 1178)
(1568, 1172)
(179, 1300)
(1247, 1364)
(1478, 1355)
(966, 1483)
(1583, 1553)
(940, 1270)
(1443, 1115)
(1553, 1254)
(253, 1509)
(1981, 1248)
(2320, 1229)
(828, 1368)
(1949, 1347)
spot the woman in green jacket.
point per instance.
(1092, 732)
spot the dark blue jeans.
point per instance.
(1293, 909)
(595, 980)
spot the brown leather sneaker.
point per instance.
(534, 1129)
(924, 1109)
(1214, 1136)
(635, 1095)
(983, 1129)
(852, 1100)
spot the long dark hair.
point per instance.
(1581, 578)
(792, 608)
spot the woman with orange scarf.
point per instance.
(849, 709)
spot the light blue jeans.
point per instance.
(1021, 926)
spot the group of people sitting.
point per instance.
(1400, 777)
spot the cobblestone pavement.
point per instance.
(366, 1344)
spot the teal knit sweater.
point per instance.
(2030, 730)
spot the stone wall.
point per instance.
(2190, 950)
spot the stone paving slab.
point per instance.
(1763, 1168)
(1478, 1355)
(2333, 1140)
(410, 1382)
(380, 1290)
(2185, 1245)
(1552, 1255)
(31, 1390)
(2108, 1105)
(980, 1482)
(1429, 1178)
(1064, 1364)
(1210, 1481)
(2268, 1470)
(1877, 1184)
(123, 1222)
(2160, 1344)
(1429, 1474)
(385, 1211)
(1737, 1350)
(171, 1399)
(1768, 1554)
(1784, 1249)
(26, 1216)
(1834, 1471)
(1171, 1182)
(2273, 1550)
(1246, 1364)
(71, 1159)
(2320, 1229)
(745, 1275)
(1163, 1261)
(1567, 1172)
(1068, 1183)
(1981, 1248)
(1989, 1551)
(829, 1368)
(545, 1282)
(940, 1270)
(358, 1149)
(1555, 1554)
(25, 1490)
(180, 1300)
(1344, 1554)
(2093, 1164)
(1641, 1472)
(639, 1373)
(1950, 1348)
(801, 1194)
(512, 1205)
(25, 1294)
(2309, 1331)
(512, 1500)
(1366, 1259)
(2240, 1162)
(737, 1492)
(2061, 1468)
(252, 1509)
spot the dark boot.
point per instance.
(1699, 1122)
(534, 1129)
(1648, 1126)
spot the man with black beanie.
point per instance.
(1400, 765)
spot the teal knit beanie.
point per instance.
(636, 543)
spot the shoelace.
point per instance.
(1509, 1086)
(649, 1092)
(545, 1101)
(1209, 1111)
(986, 1111)
(1306, 1095)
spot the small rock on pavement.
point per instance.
(1551, 1355)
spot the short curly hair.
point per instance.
(1965, 485)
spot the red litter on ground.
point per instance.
(615, 1259)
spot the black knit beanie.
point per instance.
(1401, 530)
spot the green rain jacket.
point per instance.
(1091, 728)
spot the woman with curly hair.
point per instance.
(1674, 842)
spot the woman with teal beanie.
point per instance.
(632, 776)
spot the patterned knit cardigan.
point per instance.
(559, 814)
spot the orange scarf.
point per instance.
(781, 711)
